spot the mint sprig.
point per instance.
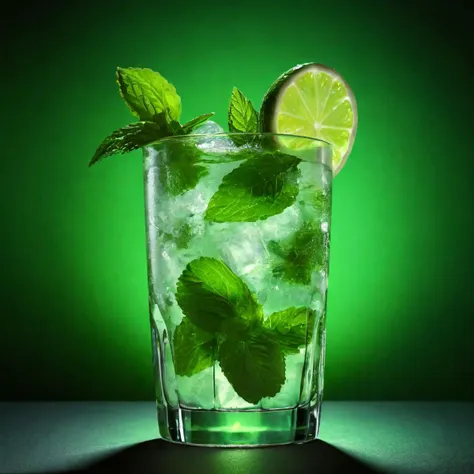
(221, 312)
(157, 105)
(261, 187)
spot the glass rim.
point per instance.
(196, 136)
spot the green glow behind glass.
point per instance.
(75, 244)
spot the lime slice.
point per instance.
(312, 100)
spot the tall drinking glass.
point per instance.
(238, 251)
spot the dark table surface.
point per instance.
(355, 437)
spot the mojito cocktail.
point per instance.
(238, 275)
(238, 232)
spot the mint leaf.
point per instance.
(181, 237)
(319, 200)
(243, 118)
(129, 138)
(255, 367)
(194, 349)
(291, 327)
(276, 248)
(262, 186)
(304, 252)
(185, 234)
(195, 122)
(178, 167)
(209, 292)
(147, 93)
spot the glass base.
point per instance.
(239, 428)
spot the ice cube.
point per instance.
(289, 394)
(245, 252)
(282, 225)
(173, 213)
(281, 292)
(197, 391)
(222, 144)
(207, 128)
(167, 263)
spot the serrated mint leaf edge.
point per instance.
(127, 139)
(201, 348)
(239, 105)
(288, 347)
(122, 72)
(229, 370)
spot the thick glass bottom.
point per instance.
(239, 428)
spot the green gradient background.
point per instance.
(74, 312)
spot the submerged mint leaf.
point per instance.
(292, 328)
(302, 254)
(184, 235)
(181, 236)
(276, 248)
(319, 200)
(147, 93)
(194, 349)
(209, 292)
(129, 138)
(255, 367)
(243, 118)
(260, 187)
(179, 168)
(196, 121)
